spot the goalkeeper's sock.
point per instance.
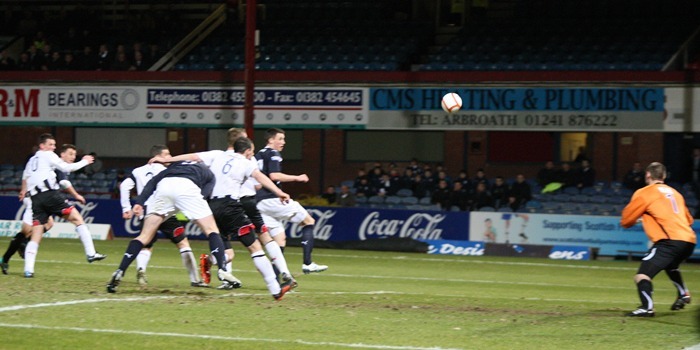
(675, 277)
(645, 290)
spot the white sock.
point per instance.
(212, 258)
(142, 259)
(276, 256)
(30, 256)
(190, 264)
(264, 266)
(86, 238)
(229, 266)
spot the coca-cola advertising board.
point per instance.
(333, 224)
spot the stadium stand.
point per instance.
(377, 36)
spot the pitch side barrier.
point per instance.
(573, 237)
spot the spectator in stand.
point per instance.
(482, 197)
(6, 62)
(520, 193)
(442, 196)
(24, 63)
(581, 156)
(153, 53)
(547, 175)
(567, 176)
(634, 179)
(586, 175)
(39, 41)
(329, 195)
(87, 59)
(55, 63)
(104, 58)
(35, 57)
(407, 178)
(385, 187)
(395, 181)
(459, 197)
(429, 180)
(419, 187)
(415, 167)
(69, 62)
(442, 175)
(46, 54)
(121, 63)
(438, 169)
(364, 189)
(499, 192)
(463, 178)
(480, 177)
(375, 175)
(360, 175)
(345, 197)
(139, 63)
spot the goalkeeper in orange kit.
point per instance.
(666, 221)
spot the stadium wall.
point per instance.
(612, 153)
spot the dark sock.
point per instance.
(216, 246)
(307, 242)
(14, 246)
(645, 289)
(274, 267)
(675, 277)
(132, 251)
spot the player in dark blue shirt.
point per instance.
(275, 212)
(181, 187)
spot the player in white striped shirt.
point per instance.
(43, 187)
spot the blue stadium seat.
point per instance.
(409, 200)
(404, 192)
(392, 200)
(375, 200)
(425, 200)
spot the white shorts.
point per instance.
(27, 217)
(175, 194)
(276, 214)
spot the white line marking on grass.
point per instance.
(218, 337)
(75, 302)
(468, 260)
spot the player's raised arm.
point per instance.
(267, 183)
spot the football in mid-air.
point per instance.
(451, 102)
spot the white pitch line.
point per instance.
(218, 337)
(75, 302)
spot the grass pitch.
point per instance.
(366, 300)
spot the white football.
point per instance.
(451, 102)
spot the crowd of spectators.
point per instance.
(42, 55)
(468, 193)
(81, 39)
(579, 175)
(461, 192)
